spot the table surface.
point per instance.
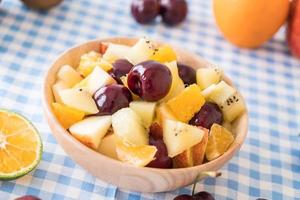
(268, 164)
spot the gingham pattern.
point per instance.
(268, 164)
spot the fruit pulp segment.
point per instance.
(219, 141)
(164, 54)
(187, 103)
(135, 155)
(67, 116)
(20, 146)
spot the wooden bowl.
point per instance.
(141, 179)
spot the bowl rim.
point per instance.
(234, 147)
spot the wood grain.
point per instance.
(115, 172)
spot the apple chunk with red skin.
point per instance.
(293, 30)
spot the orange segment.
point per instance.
(67, 116)
(187, 103)
(164, 54)
(136, 155)
(219, 141)
(20, 146)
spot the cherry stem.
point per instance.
(202, 176)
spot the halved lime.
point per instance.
(20, 146)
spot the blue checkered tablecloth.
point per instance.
(268, 164)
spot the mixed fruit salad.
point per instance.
(140, 105)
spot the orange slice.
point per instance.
(20, 146)
(67, 116)
(219, 141)
(136, 155)
(164, 54)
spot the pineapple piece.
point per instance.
(56, 88)
(207, 76)
(88, 62)
(229, 100)
(67, 116)
(68, 75)
(219, 141)
(177, 84)
(141, 51)
(115, 51)
(164, 54)
(187, 103)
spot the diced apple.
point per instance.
(115, 51)
(192, 156)
(140, 52)
(187, 103)
(58, 86)
(79, 99)
(179, 136)
(127, 125)
(146, 110)
(108, 146)
(91, 130)
(97, 79)
(68, 75)
(207, 76)
(177, 84)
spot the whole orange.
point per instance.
(249, 23)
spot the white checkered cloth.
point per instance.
(268, 164)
